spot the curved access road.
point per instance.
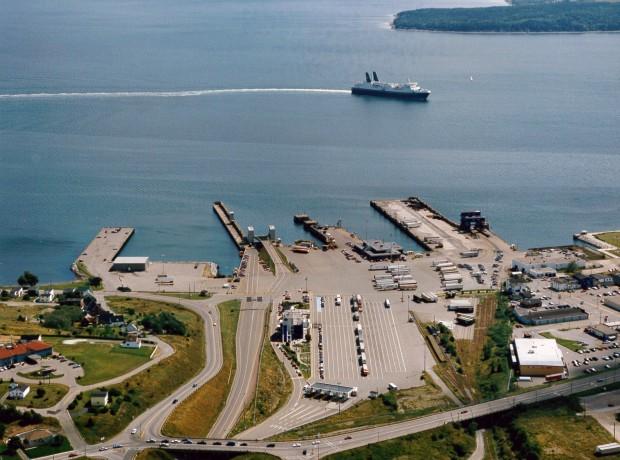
(362, 437)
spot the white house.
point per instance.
(18, 391)
(46, 296)
(132, 341)
(18, 292)
(99, 398)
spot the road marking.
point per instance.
(400, 348)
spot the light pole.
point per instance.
(163, 262)
(306, 284)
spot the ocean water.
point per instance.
(531, 138)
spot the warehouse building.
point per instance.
(612, 303)
(538, 357)
(548, 315)
(603, 332)
(130, 264)
(532, 265)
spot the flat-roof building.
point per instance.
(130, 264)
(538, 357)
(602, 331)
(329, 391)
(379, 250)
(550, 315)
(541, 264)
(17, 353)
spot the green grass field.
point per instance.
(445, 443)
(611, 238)
(196, 415)
(554, 427)
(10, 324)
(43, 451)
(143, 390)
(570, 344)
(54, 392)
(101, 360)
(407, 404)
(273, 389)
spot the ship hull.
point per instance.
(390, 94)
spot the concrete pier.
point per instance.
(318, 231)
(102, 250)
(228, 221)
(382, 208)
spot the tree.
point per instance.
(94, 281)
(27, 279)
(40, 392)
(2, 430)
(14, 444)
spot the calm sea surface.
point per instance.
(533, 140)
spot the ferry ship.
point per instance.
(374, 87)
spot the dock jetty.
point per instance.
(102, 250)
(405, 227)
(228, 221)
(320, 232)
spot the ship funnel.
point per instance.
(374, 76)
(367, 78)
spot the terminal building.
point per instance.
(538, 357)
(375, 250)
(295, 325)
(130, 264)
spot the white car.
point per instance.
(296, 445)
(134, 431)
(315, 442)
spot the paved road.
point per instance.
(478, 453)
(332, 444)
(250, 330)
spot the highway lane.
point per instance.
(332, 444)
(248, 345)
(249, 336)
(151, 421)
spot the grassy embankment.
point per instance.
(566, 343)
(159, 454)
(273, 389)
(143, 390)
(478, 369)
(52, 394)
(196, 415)
(445, 443)
(551, 430)
(266, 260)
(19, 320)
(62, 445)
(612, 238)
(100, 360)
(389, 407)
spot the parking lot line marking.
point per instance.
(397, 338)
(389, 340)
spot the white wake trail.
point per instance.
(202, 92)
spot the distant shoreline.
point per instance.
(552, 18)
